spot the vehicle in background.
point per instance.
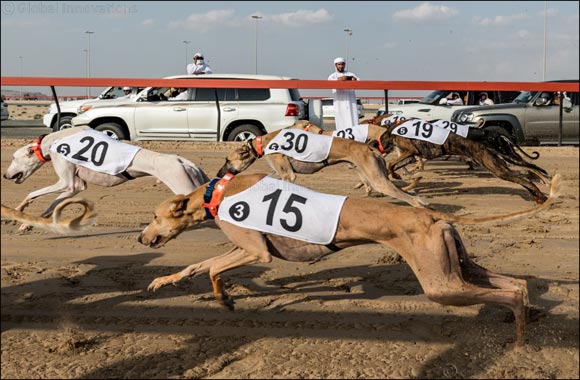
(532, 119)
(406, 101)
(69, 109)
(5, 114)
(208, 114)
(433, 107)
(328, 108)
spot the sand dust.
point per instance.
(77, 307)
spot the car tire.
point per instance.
(244, 132)
(65, 123)
(113, 130)
(501, 131)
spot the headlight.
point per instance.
(83, 109)
(396, 112)
(465, 118)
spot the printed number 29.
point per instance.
(288, 208)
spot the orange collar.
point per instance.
(213, 195)
(381, 147)
(309, 125)
(258, 146)
(36, 148)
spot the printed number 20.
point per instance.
(98, 151)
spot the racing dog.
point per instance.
(425, 238)
(371, 166)
(495, 162)
(179, 174)
(58, 224)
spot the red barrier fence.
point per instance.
(299, 84)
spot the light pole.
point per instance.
(21, 58)
(545, 27)
(88, 33)
(348, 33)
(256, 17)
(186, 43)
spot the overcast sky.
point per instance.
(395, 40)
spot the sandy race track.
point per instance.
(77, 306)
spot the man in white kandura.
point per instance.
(345, 111)
(198, 67)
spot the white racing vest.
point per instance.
(300, 145)
(458, 129)
(283, 208)
(96, 151)
(388, 121)
(422, 130)
(356, 132)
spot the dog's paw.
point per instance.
(162, 281)
(24, 228)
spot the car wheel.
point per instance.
(497, 130)
(113, 130)
(65, 123)
(244, 133)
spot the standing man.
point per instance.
(345, 110)
(198, 67)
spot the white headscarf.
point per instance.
(339, 60)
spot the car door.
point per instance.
(202, 115)
(542, 122)
(570, 123)
(161, 118)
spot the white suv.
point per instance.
(328, 108)
(208, 114)
(69, 109)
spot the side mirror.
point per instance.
(443, 101)
(541, 101)
(567, 104)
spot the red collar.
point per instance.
(216, 194)
(36, 148)
(309, 125)
(381, 147)
(258, 146)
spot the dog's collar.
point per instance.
(37, 149)
(213, 194)
(256, 146)
(381, 147)
(310, 125)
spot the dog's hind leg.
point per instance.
(437, 263)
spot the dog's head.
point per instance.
(24, 164)
(172, 217)
(238, 160)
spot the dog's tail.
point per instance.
(554, 194)
(195, 173)
(57, 225)
(512, 146)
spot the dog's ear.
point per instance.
(178, 206)
(244, 152)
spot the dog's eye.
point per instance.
(154, 217)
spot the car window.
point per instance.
(208, 94)
(327, 102)
(247, 94)
(524, 97)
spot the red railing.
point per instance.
(299, 84)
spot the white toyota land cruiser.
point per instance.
(206, 114)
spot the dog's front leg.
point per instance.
(281, 165)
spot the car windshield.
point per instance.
(434, 97)
(524, 97)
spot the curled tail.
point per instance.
(57, 224)
(554, 194)
(512, 145)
